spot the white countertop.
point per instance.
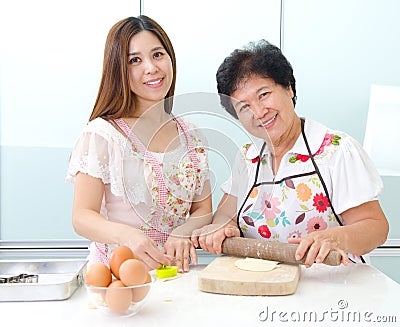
(334, 296)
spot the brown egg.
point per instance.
(98, 274)
(118, 297)
(139, 293)
(133, 272)
(118, 256)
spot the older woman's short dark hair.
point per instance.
(257, 58)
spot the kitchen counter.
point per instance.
(357, 295)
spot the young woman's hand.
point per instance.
(145, 249)
(182, 249)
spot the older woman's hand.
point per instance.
(210, 237)
(182, 249)
(319, 244)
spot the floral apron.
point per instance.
(159, 224)
(157, 228)
(289, 208)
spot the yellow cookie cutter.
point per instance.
(166, 272)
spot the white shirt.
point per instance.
(348, 172)
(103, 152)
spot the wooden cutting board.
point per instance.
(222, 276)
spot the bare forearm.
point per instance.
(365, 228)
(362, 237)
(93, 226)
(222, 218)
(198, 218)
(226, 211)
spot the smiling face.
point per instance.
(265, 109)
(150, 70)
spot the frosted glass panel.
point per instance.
(338, 49)
(225, 135)
(382, 124)
(203, 34)
(51, 56)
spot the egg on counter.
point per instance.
(118, 256)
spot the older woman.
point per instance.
(301, 182)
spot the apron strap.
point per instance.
(192, 151)
(156, 166)
(318, 172)
(320, 177)
(130, 135)
(251, 188)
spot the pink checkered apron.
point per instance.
(100, 250)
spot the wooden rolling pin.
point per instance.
(269, 250)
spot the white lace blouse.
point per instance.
(130, 183)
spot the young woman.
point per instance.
(141, 174)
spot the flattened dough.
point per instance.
(253, 264)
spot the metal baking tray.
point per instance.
(58, 279)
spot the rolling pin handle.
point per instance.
(277, 251)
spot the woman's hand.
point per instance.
(87, 221)
(319, 244)
(210, 237)
(182, 249)
(144, 248)
(354, 237)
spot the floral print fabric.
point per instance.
(290, 209)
